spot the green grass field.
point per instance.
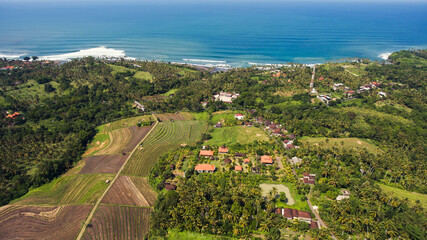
(236, 134)
(170, 92)
(165, 137)
(389, 102)
(137, 74)
(402, 194)
(345, 143)
(372, 113)
(65, 190)
(185, 235)
(124, 123)
(227, 116)
(30, 89)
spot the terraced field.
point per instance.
(124, 140)
(38, 222)
(118, 222)
(103, 164)
(167, 136)
(130, 191)
(175, 116)
(76, 189)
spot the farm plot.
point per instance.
(344, 143)
(127, 122)
(118, 222)
(236, 134)
(37, 222)
(77, 189)
(167, 136)
(175, 116)
(103, 164)
(130, 191)
(124, 140)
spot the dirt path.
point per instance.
(354, 74)
(89, 218)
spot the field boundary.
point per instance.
(92, 212)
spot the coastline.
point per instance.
(111, 53)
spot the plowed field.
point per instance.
(37, 222)
(130, 191)
(103, 164)
(117, 222)
(124, 140)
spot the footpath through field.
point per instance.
(89, 218)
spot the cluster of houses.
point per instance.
(291, 214)
(225, 97)
(277, 130)
(13, 115)
(7, 68)
(368, 87)
(209, 168)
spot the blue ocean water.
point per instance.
(236, 34)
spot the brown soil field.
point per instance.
(117, 222)
(103, 164)
(36, 222)
(175, 116)
(130, 191)
(124, 140)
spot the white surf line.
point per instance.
(92, 212)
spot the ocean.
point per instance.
(212, 34)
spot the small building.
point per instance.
(344, 195)
(308, 178)
(218, 125)
(248, 124)
(226, 97)
(13, 116)
(382, 94)
(206, 153)
(239, 116)
(222, 150)
(169, 186)
(227, 161)
(201, 168)
(314, 225)
(292, 214)
(238, 168)
(266, 159)
(295, 160)
(246, 160)
(139, 106)
(349, 93)
(290, 136)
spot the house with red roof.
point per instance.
(308, 178)
(13, 116)
(292, 214)
(239, 116)
(201, 168)
(246, 160)
(266, 159)
(238, 168)
(222, 150)
(206, 153)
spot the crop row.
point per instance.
(167, 136)
(118, 222)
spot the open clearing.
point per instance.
(345, 143)
(402, 194)
(124, 140)
(103, 164)
(77, 189)
(168, 135)
(124, 123)
(38, 222)
(266, 188)
(374, 114)
(236, 134)
(130, 191)
(175, 116)
(119, 222)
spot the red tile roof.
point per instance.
(247, 160)
(13, 115)
(206, 153)
(266, 159)
(223, 150)
(238, 168)
(204, 167)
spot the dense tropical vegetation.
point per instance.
(59, 106)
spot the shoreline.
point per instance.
(111, 53)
